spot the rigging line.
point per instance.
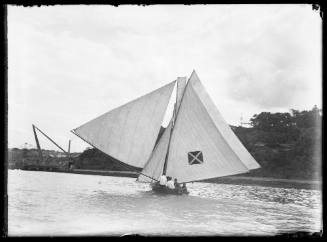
(172, 128)
(148, 176)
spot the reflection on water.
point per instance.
(44, 203)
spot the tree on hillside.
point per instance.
(267, 121)
(307, 119)
(300, 131)
(276, 128)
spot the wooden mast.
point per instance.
(37, 145)
(175, 113)
(69, 148)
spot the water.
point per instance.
(49, 203)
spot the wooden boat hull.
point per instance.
(165, 190)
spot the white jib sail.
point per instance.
(128, 133)
(154, 167)
(199, 149)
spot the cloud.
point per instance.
(277, 88)
(277, 65)
(69, 64)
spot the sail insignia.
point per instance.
(195, 157)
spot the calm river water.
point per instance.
(49, 203)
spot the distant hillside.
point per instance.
(89, 159)
(286, 145)
(297, 159)
(97, 160)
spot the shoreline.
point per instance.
(234, 180)
(269, 182)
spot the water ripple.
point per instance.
(44, 203)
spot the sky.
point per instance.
(70, 64)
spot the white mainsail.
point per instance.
(202, 144)
(128, 133)
(222, 125)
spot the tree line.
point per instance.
(285, 144)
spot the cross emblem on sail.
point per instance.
(195, 157)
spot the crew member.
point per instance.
(184, 189)
(163, 180)
(177, 186)
(170, 183)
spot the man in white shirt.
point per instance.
(163, 180)
(170, 183)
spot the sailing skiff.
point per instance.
(196, 145)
